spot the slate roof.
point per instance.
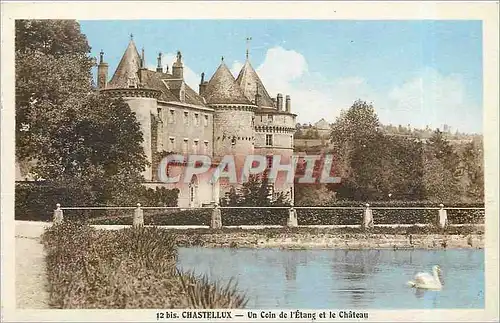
(250, 83)
(170, 87)
(223, 89)
(127, 68)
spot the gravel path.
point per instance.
(31, 279)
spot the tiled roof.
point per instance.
(250, 83)
(127, 68)
(223, 89)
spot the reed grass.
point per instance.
(128, 268)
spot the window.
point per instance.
(197, 119)
(269, 140)
(171, 116)
(206, 120)
(269, 160)
(195, 146)
(171, 144)
(186, 118)
(185, 146)
(205, 147)
(270, 118)
(291, 141)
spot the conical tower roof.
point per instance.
(223, 89)
(250, 83)
(127, 68)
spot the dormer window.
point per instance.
(132, 82)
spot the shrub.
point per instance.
(36, 201)
(237, 217)
(129, 268)
(203, 294)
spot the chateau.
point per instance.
(226, 116)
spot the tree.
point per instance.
(357, 141)
(441, 172)
(471, 171)
(52, 65)
(81, 140)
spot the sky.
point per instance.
(421, 72)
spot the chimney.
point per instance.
(280, 102)
(203, 84)
(288, 106)
(159, 68)
(102, 72)
(177, 67)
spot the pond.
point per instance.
(339, 279)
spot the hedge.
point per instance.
(236, 217)
(36, 201)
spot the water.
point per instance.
(361, 279)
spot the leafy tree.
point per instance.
(441, 172)
(357, 143)
(471, 171)
(80, 140)
(52, 65)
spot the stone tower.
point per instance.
(126, 83)
(233, 116)
(274, 125)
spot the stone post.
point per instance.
(216, 220)
(367, 218)
(58, 214)
(292, 218)
(442, 218)
(138, 216)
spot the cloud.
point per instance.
(313, 96)
(427, 98)
(433, 99)
(236, 68)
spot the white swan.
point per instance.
(427, 281)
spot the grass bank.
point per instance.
(128, 268)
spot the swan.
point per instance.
(427, 281)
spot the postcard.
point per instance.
(249, 161)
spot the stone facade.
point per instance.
(227, 116)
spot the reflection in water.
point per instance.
(419, 292)
(316, 279)
(290, 265)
